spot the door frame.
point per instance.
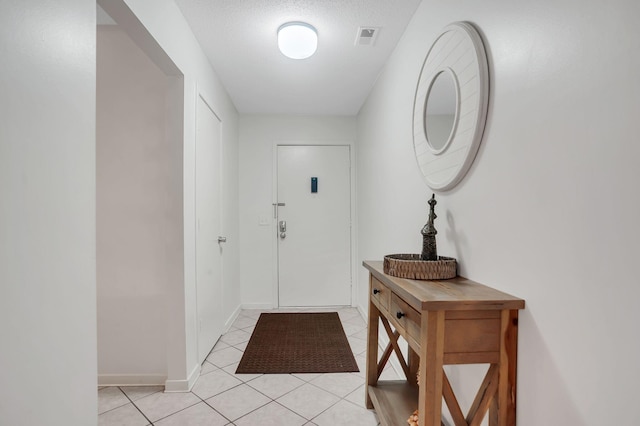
(352, 209)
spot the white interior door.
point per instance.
(314, 251)
(208, 223)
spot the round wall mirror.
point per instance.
(440, 111)
(450, 106)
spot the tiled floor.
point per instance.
(220, 397)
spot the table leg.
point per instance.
(431, 373)
(372, 351)
(506, 397)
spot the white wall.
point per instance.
(139, 212)
(549, 209)
(259, 134)
(47, 213)
(164, 27)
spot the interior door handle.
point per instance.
(222, 240)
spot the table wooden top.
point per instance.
(455, 294)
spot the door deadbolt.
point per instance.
(282, 226)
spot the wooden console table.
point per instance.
(454, 321)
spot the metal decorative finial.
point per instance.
(429, 248)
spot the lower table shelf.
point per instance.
(394, 401)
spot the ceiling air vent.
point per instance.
(367, 36)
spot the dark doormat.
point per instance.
(298, 343)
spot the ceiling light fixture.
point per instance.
(297, 40)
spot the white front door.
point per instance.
(314, 251)
(208, 224)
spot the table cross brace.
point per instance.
(484, 398)
(393, 346)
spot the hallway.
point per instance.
(220, 397)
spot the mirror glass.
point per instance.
(440, 110)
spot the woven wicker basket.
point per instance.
(412, 267)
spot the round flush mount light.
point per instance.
(297, 40)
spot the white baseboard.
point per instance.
(183, 385)
(363, 312)
(231, 319)
(131, 379)
(256, 306)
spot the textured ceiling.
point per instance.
(239, 38)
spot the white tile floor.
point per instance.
(220, 397)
